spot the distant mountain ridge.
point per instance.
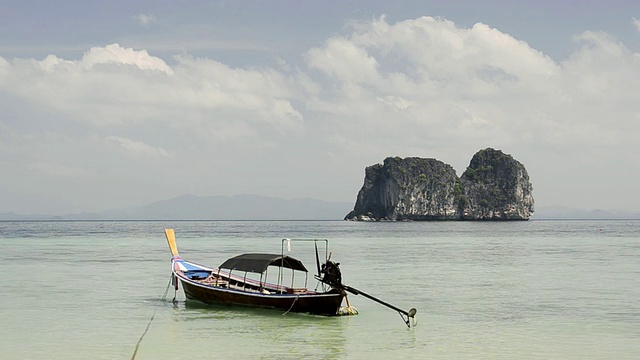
(192, 207)
(559, 212)
(254, 207)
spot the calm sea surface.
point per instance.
(518, 290)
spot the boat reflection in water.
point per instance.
(294, 336)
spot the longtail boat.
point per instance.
(232, 283)
(243, 280)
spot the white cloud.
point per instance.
(138, 147)
(396, 102)
(117, 55)
(116, 85)
(476, 83)
(344, 61)
(636, 22)
(439, 69)
(5, 67)
(145, 19)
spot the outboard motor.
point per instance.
(331, 274)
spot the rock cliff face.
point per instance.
(406, 189)
(494, 187)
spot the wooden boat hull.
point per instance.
(316, 303)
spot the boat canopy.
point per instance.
(258, 263)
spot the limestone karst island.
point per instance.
(494, 186)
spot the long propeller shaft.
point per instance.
(407, 314)
(355, 291)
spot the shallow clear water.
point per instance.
(517, 290)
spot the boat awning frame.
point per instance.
(258, 263)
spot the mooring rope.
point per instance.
(164, 297)
(166, 291)
(293, 303)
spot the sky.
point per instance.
(113, 104)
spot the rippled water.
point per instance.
(521, 290)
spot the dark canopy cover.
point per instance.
(258, 263)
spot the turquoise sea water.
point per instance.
(517, 290)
